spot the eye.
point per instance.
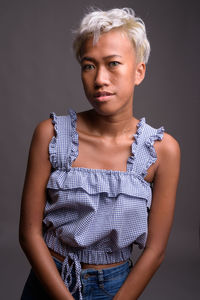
(114, 63)
(87, 67)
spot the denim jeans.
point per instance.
(96, 284)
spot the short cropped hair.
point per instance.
(97, 22)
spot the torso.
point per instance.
(96, 152)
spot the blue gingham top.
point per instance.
(95, 215)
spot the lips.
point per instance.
(103, 94)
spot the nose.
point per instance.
(101, 77)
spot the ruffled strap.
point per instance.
(59, 144)
(75, 140)
(74, 137)
(53, 142)
(137, 135)
(66, 273)
(150, 146)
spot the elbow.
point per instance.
(23, 239)
(157, 255)
(27, 238)
(160, 257)
(22, 234)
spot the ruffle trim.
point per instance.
(137, 135)
(95, 183)
(53, 142)
(150, 145)
(74, 137)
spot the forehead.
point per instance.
(112, 42)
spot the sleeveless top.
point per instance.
(96, 215)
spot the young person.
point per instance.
(100, 180)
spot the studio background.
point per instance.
(39, 74)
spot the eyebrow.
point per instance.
(105, 57)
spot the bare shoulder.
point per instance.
(169, 146)
(169, 153)
(44, 131)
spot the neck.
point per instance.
(112, 125)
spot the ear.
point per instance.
(140, 73)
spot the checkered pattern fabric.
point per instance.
(95, 215)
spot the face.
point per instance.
(109, 72)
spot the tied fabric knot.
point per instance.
(66, 273)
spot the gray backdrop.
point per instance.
(38, 74)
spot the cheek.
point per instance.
(126, 80)
(128, 74)
(85, 82)
(87, 79)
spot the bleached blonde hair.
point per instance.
(97, 22)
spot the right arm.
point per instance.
(31, 217)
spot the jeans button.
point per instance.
(86, 276)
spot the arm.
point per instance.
(32, 207)
(160, 220)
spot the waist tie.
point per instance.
(66, 273)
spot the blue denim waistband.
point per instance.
(92, 273)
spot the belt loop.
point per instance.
(100, 276)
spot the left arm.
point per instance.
(160, 220)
